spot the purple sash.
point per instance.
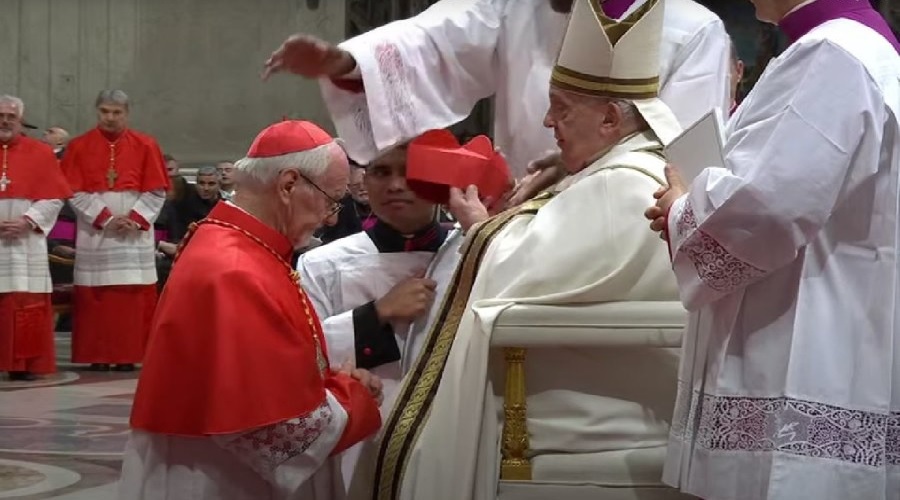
(615, 8)
(808, 17)
(63, 230)
(160, 235)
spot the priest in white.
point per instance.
(441, 440)
(427, 72)
(787, 260)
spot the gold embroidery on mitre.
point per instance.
(612, 33)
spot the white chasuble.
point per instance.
(441, 441)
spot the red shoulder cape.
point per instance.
(139, 163)
(33, 171)
(231, 347)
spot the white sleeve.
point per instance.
(87, 206)
(700, 76)
(788, 158)
(288, 453)
(421, 73)
(43, 213)
(150, 204)
(323, 290)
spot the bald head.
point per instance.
(56, 137)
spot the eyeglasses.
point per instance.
(336, 205)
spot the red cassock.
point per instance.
(235, 343)
(26, 316)
(115, 292)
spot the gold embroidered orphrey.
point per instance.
(420, 386)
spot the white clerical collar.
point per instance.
(799, 6)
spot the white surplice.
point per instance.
(23, 261)
(284, 461)
(350, 272)
(589, 244)
(787, 259)
(107, 259)
(428, 72)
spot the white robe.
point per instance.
(350, 272)
(558, 256)
(787, 259)
(428, 72)
(23, 261)
(284, 461)
(105, 259)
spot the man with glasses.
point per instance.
(258, 410)
(356, 214)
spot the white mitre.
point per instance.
(619, 59)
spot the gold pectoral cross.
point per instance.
(4, 180)
(111, 174)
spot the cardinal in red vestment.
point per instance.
(241, 402)
(32, 188)
(120, 180)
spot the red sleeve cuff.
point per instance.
(355, 86)
(363, 416)
(141, 221)
(101, 219)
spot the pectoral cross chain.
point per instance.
(4, 180)
(111, 174)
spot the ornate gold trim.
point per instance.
(638, 88)
(410, 413)
(515, 465)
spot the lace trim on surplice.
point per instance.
(788, 425)
(716, 266)
(268, 447)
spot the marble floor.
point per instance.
(62, 438)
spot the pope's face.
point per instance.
(10, 122)
(579, 129)
(112, 117)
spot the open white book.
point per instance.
(699, 146)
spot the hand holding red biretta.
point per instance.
(436, 162)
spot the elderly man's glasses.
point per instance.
(335, 204)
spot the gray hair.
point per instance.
(15, 101)
(630, 112)
(263, 171)
(208, 170)
(112, 96)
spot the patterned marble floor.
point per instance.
(63, 439)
